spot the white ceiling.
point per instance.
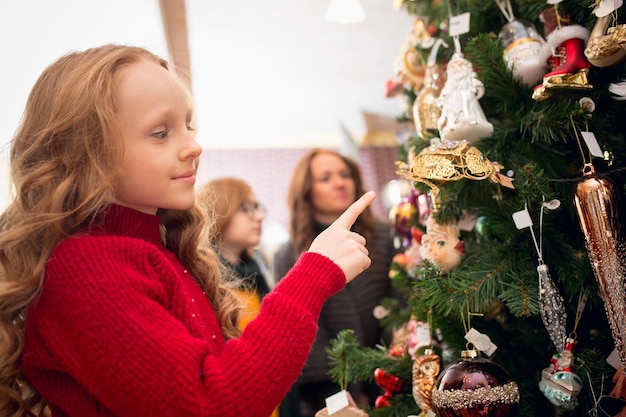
(268, 73)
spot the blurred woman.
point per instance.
(324, 183)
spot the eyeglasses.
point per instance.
(251, 208)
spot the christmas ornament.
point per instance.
(596, 205)
(474, 386)
(606, 46)
(425, 371)
(521, 43)
(552, 306)
(426, 110)
(553, 312)
(413, 206)
(564, 52)
(559, 384)
(462, 118)
(442, 245)
(409, 62)
(445, 161)
(390, 384)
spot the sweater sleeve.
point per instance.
(116, 332)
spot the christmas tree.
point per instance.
(516, 150)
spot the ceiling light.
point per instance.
(345, 11)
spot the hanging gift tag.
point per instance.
(337, 402)
(467, 222)
(522, 219)
(554, 1)
(614, 360)
(481, 341)
(607, 7)
(422, 332)
(460, 24)
(592, 144)
(504, 181)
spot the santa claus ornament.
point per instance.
(462, 118)
(474, 387)
(559, 384)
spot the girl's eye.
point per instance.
(191, 128)
(161, 134)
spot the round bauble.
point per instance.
(474, 386)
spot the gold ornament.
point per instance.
(426, 108)
(606, 47)
(598, 213)
(448, 161)
(425, 371)
(409, 61)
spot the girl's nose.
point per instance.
(191, 148)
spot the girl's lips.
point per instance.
(189, 177)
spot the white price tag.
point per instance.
(422, 331)
(481, 341)
(337, 402)
(460, 24)
(522, 219)
(614, 360)
(607, 7)
(554, 1)
(592, 144)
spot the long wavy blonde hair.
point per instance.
(64, 162)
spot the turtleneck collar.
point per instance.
(124, 221)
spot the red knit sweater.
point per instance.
(121, 329)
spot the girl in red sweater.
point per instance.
(110, 303)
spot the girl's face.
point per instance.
(244, 229)
(160, 150)
(333, 187)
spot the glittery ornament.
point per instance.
(474, 387)
(445, 161)
(606, 45)
(595, 202)
(426, 368)
(552, 307)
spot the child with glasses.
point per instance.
(237, 225)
